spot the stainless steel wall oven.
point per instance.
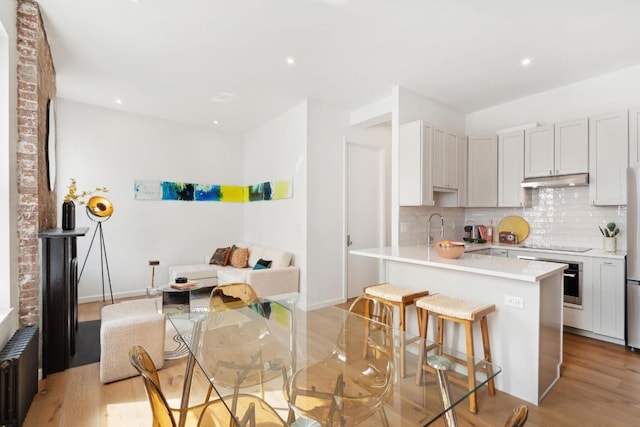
(572, 278)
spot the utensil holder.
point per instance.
(609, 244)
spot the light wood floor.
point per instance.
(600, 386)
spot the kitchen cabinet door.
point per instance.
(634, 137)
(482, 180)
(445, 159)
(415, 148)
(608, 281)
(571, 147)
(510, 169)
(538, 152)
(462, 171)
(608, 159)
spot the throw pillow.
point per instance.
(239, 257)
(262, 264)
(220, 256)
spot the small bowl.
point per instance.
(452, 250)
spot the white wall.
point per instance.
(103, 147)
(8, 186)
(611, 92)
(276, 150)
(328, 125)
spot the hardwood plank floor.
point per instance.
(600, 386)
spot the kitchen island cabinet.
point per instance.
(526, 339)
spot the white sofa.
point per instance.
(281, 278)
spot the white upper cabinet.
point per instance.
(608, 159)
(571, 147)
(445, 159)
(559, 149)
(634, 137)
(462, 171)
(538, 152)
(511, 169)
(482, 180)
(415, 151)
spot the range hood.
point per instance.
(578, 179)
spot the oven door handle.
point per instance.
(574, 275)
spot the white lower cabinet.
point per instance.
(608, 278)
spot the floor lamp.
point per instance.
(99, 209)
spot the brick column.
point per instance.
(36, 204)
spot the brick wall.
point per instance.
(36, 204)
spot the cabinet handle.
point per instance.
(550, 172)
(608, 262)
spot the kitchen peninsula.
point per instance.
(525, 333)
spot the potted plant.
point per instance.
(609, 234)
(68, 205)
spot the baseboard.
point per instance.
(119, 295)
(588, 334)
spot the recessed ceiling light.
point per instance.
(223, 97)
(118, 101)
(215, 122)
(525, 62)
(291, 61)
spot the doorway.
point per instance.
(365, 218)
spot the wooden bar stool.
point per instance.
(462, 312)
(400, 297)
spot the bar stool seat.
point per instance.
(462, 312)
(400, 297)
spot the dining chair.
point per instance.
(251, 410)
(251, 355)
(353, 380)
(163, 414)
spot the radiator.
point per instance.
(18, 376)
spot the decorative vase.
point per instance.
(68, 215)
(609, 244)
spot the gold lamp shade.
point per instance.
(100, 206)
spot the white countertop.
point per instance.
(528, 271)
(594, 252)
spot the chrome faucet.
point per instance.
(429, 240)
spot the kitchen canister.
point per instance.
(608, 244)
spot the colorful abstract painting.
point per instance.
(169, 190)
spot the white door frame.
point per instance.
(345, 215)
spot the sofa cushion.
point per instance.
(230, 274)
(278, 257)
(262, 264)
(239, 257)
(220, 256)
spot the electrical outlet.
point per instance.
(514, 301)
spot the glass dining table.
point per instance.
(321, 365)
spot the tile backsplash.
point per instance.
(559, 216)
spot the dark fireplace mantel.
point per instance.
(59, 297)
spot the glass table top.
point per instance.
(323, 364)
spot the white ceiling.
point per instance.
(196, 61)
